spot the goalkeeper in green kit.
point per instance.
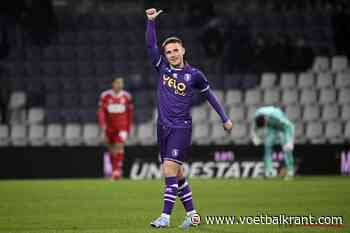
(271, 126)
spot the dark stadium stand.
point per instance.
(278, 54)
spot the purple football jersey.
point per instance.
(176, 87)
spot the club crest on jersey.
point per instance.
(187, 77)
(179, 87)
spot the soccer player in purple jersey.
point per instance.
(177, 84)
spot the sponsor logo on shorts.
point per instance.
(175, 152)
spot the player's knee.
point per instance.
(169, 172)
(180, 174)
(120, 148)
(180, 177)
(170, 168)
(111, 149)
(116, 148)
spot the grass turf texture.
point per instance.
(101, 206)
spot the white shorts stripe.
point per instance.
(175, 160)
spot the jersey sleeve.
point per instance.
(288, 131)
(201, 84)
(287, 128)
(157, 60)
(212, 99)
(101, 113)
(130, 112)
(201, 81)
(254, 134)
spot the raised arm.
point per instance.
(151, 38)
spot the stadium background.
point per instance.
(57, 56)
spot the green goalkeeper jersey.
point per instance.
(277, 121)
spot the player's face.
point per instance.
(174, 53)
(118, 85)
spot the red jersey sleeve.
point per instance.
(130, 112)
(102, 109)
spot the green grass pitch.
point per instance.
(101, 206)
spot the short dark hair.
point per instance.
(172, 39)
(260, 121)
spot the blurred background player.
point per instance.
(271, 126)
(177, 84)
(115, 116)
